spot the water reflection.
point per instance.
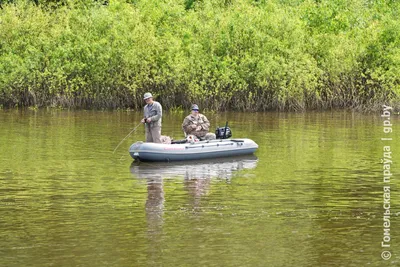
(154, 216)
(197, 177)
(223, 168)
(155, 203)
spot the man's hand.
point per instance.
(198, 128)
(148, 120)
(142, 121)
(193, 126)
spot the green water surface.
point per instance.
(312, 194)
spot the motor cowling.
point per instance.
(221, 134)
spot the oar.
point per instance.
(134, 129)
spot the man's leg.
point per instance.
(156, 134)
(149, 137)
(210, 136)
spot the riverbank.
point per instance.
(236, 55)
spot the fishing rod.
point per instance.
(134, 129)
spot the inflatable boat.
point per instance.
(192, 150)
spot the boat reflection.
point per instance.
(197, 176)
(223, 168)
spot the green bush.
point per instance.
(237, 54)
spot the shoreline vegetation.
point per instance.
(243, 55)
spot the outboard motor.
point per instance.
(223, 132)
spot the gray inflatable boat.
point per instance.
(192, 151)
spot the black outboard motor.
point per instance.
(223, 132)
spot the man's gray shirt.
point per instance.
(154, 112)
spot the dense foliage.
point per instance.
(222, 54)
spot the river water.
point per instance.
(312, 195)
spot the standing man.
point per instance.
(152, 119)
(197, 124)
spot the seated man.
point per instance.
(197, 124)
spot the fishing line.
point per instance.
(134, 129)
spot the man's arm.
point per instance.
(206, 125)
(186, 125)
(158, 109)
(144, 112)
